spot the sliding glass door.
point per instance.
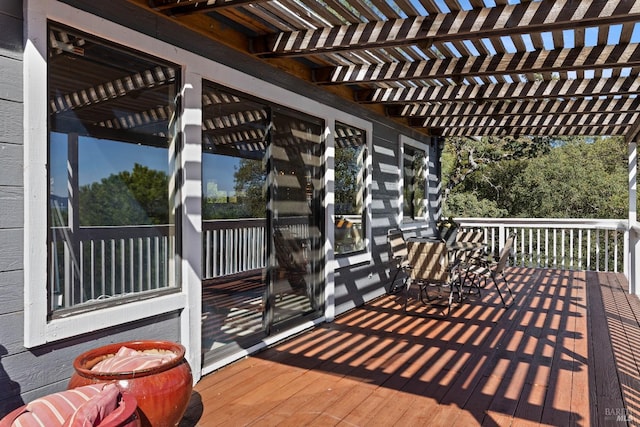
(296, 286)
(261, 220)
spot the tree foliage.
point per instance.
(348, 179)
(137, 197)
(572, 178)
(578, 179)
(250, 178)
(464, 157)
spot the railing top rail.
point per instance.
(118, 232)
(559, 223)
(221, 224)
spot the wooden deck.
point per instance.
(566, 353)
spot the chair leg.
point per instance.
(508, 287)
(495, 281)
(473, 283)
(406, 284)
(392, 287)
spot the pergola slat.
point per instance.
(529, 17)
(596, 57)
(513, 108)
(545, 120)
(530, 90)
(537, 131)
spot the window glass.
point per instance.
(414, 168)
(350, 190)
(235, 136)
(112, 120)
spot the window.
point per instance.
(112, 140)
(350, 189)
(414, 167)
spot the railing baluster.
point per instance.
(538, 247)
(546, 248)
(571, 250)
(555, 252)
(588, 249)
(597, 250)
(563, 253)
(81, 287)
(606, 250)
(112, 265)
(92, 261)
(580, 264)
(615, 252)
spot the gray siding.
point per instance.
(28, 374)
(11, 200)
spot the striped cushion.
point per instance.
(53, 410)
(127, 360)
(95, 410)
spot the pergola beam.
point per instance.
(634, 130)
(515, 108)
(187, 7)
(542, 61)
(495, 92)
(536, 131)
(543, 120)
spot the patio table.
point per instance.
(429, 266)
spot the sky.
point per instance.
(99, 159)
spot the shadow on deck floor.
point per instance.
(566, 353)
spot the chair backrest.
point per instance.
(504, 254)
(397, 244)
(289, 251)
(448, 230)
(429, 261)
(475, 235)
(472, 235)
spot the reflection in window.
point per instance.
(414, 168)
(111, 211)
(234, 214)
(350, 191)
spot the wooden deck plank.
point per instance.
(565, 353)
(607, 394)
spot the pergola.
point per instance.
(465, 68)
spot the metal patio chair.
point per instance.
(398, 254)
(432, 269)
(493, 270)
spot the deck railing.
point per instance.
(95, 263)
(233, 246)
(238, 245)
(572, 244)
(117, 261)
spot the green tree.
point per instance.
(250, 178)
(466, 204)
(348, 178)
(137, 197)
(481, 159)
(578, 179)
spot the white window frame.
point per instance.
(350, 259)
(404, 141)
(37, 329)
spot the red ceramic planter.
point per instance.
(162, 392)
